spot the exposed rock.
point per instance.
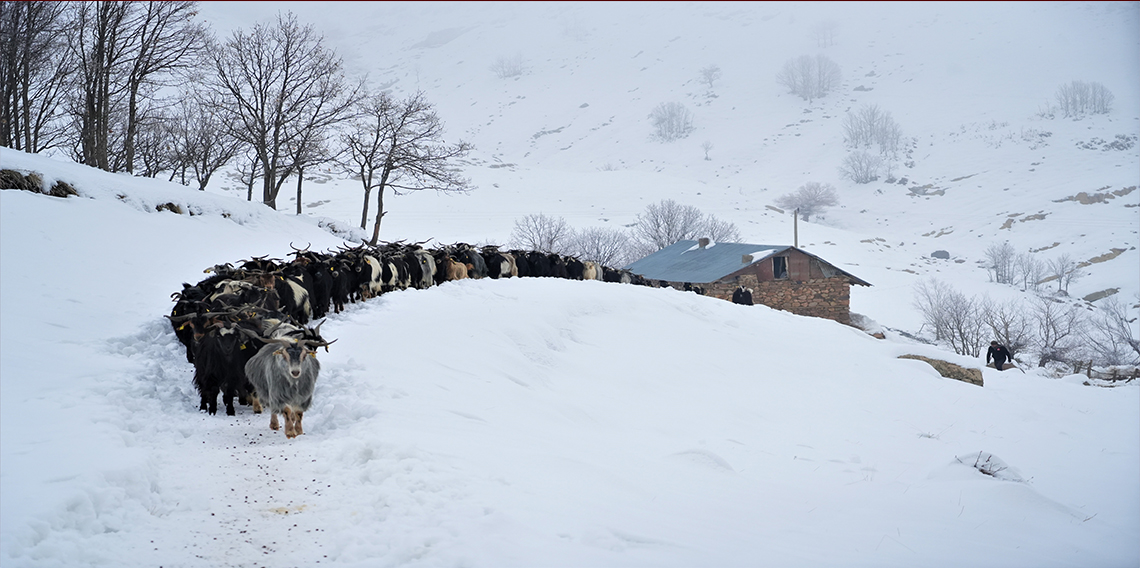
(940, 254)
(1100, 295)
(950, 370)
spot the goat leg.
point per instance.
(228, 400)
(290, 423)
(297, 428)
(273, 421)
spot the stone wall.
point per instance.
(825, 297)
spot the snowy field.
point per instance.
(540, 422)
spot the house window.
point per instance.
(780, 267)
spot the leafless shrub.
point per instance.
(1110, 336)
(720, 231)
(1065, 271)
(667, 222)
(671, 121)
(605, 245)
(1010, 324)
(810, 77)
(1030, 271)
(824, 33)
(1001, 263)
(955, 319)
(861, 167)
(542, 233)
(1059, 328)
(1077, 99)
(810, 199)
(870, 127)
(710, 74)
(506, 67)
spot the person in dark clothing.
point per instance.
(999, 354)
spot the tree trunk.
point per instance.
(379, 216)
(380, 203)
(132, 129)
(364, 213)
(300, 178)
(268, 195)
(366, 179)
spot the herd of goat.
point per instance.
(245, 327)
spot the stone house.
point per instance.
(780, 276)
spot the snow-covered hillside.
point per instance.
(571, 136)
(514, 422)
(545, 422)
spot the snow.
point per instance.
(541, 422)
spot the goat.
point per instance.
(499, 264)
(220, 355)
(466, 254)
(284, 375)
(452, 269)
(592, 271)
(423, 276)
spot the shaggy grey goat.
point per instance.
(284, 373)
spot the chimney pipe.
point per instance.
(703, 242)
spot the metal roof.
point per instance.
(686, 261)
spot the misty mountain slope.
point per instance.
(571, 137)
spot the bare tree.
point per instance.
(861, 167)
(955, 319)
(720, 231)
(282, 85)
(824, 33)
(1059, 330)
(311, 150)
(154, 141)
(365, 144)
(871, 126)
(1077, 99)
(671, 121)
(1111, 336)
(929, 300)
(667, 222)
(1065, 270)
(810, 77)
(1030, 270)
(99, 46)
(248, 171)
(706, 146)
(399, 145)
(506, 67)
(606, 246)
(710, 74)
(1001, 263)
(203, 143)
(165, 39)
(1010, 323)
(34, 73)
(810, 199)
(542, 233)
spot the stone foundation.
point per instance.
(824, 298)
